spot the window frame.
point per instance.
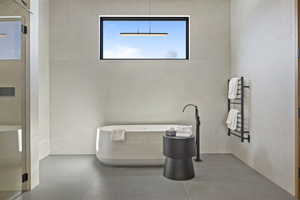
(144, 18)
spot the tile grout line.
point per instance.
(186, 191)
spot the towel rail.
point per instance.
(241, 133)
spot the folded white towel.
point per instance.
(184, 134)
(184, 129)
(233, 88)
(232, 119)
(118, 135)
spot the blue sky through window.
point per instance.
(10, 42)
(172, 46)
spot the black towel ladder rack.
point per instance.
(240, 131)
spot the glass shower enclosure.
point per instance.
(13, 174)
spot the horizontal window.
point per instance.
(144, 38)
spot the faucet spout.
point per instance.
(188, 105)
(197, 117)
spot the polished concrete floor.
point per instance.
(218, 177)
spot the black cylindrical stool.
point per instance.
(179, 152)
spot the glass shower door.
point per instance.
(12, 107)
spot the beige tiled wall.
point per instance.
(263, 35)
(87, 93)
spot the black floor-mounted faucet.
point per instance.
(198, 159)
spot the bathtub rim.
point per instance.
(124, 126)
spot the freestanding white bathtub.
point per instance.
(142, 145)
